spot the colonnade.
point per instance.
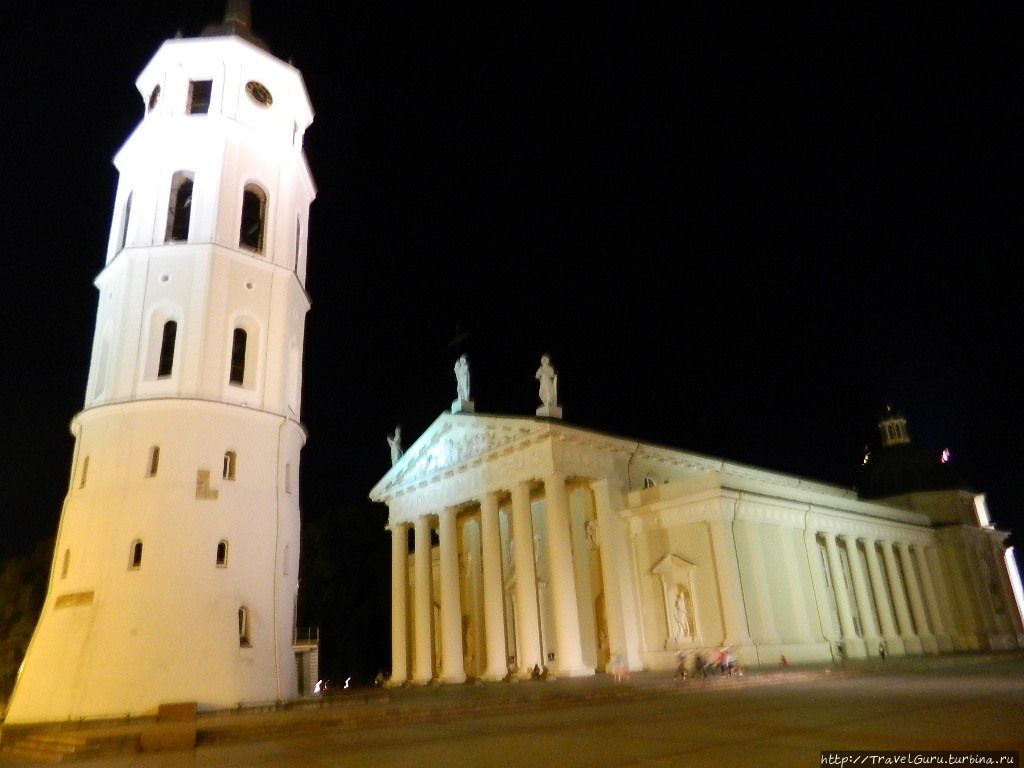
(897, 591)
(560, 643)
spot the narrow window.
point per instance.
(238, 341)
(85, 472)
(154, 97)
(136, 561)
(199, 96)
(66, 565)
(179, 215)
(286, 560)
(167, 349)
(254, 213)
(287, 478)
(222, 554)
(243, 628)
(154, 461)
(230, 460)
(298, 241)
(125, 219)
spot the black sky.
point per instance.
(738, 229)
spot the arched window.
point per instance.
(167, 349)
(238, 342)
(254, 218)
(125, 218)
(243, 628)
(230, 461)
(179, 214)
(222, 554)
(136, 561)
(154, 461)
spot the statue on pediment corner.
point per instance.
(395, 442)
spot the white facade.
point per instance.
(565, 548)
(175, 569)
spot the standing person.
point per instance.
(681, 666)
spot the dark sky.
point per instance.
(737, 229)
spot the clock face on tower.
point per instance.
(259, 93)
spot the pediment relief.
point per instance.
(447, 445)
(671, 564)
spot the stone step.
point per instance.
(57, 746)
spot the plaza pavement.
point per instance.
(768, 717)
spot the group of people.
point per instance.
(721, 662)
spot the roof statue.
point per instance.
(548, 379)
(395, 442)
(462, 403)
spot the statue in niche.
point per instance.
(591, 529)
(681, 614)
(548, 382)
(395, 442)
(462, 378)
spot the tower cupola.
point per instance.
(893, 427)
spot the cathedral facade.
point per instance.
(525, 543)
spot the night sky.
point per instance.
(739, 230)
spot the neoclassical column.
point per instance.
(568, 649)
(399, 603)
(860, 594)
(623, 630)
(911, 642)
(835, 567)
(942, 638)
(916, 602)
(527, 616)
(453, 669)
(494, 602)
(893, 642)
(423, 662)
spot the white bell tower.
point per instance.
(175, 570)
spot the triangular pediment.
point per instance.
(670, 564)
(454, 440)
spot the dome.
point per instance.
(900, 467)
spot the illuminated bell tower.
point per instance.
(175, 569)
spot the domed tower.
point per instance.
(910, 475)
(175, 568)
